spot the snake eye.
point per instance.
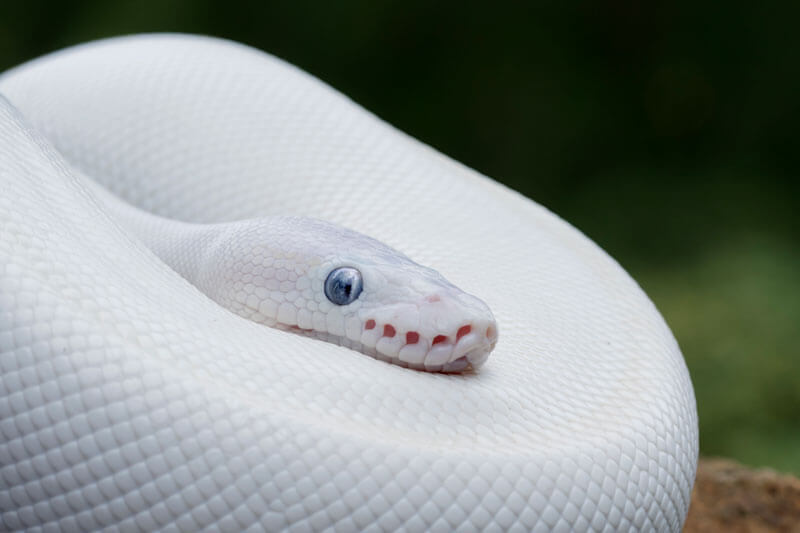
(343, 285)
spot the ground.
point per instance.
(732, 498)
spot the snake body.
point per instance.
(130, 400)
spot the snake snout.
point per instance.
(425, 346)
(464, 332)
(474, 343)
(441, 329)
(453, 350)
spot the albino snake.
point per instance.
(130, 400)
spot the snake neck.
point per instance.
(160, 235)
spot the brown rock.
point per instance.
(732, 498)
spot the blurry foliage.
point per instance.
(667, 131)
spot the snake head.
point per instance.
(324, 281)
(411, 315)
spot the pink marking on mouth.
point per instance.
(463, 330)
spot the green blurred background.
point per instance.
(667, 132)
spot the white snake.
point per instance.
(130, 400)
(324, 281)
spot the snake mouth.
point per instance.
(466, 348)
(464, 351)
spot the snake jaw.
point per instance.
(450, 332)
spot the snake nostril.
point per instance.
(491, 332)
(463, 330)
(412, 337)
(388, 330)
(438, 339)
(371, 324)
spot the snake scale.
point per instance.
(132, 401)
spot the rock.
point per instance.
(730, 497)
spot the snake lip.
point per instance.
(457, 365)
(459, 350)
(463, 350)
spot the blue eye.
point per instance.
(343, 285)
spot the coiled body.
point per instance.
(131, 400)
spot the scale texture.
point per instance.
(130, 401)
